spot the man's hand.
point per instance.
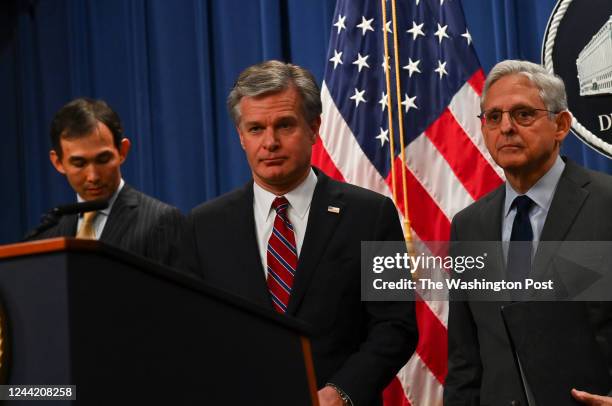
(328, 396)
(589, 399)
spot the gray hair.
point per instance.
(271, 77)
(552, 88)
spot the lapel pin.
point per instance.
(333, 209)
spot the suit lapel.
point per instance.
(248, 269)
(569, 198)
(67, 225)
(120, 218)
(491, 223)
(491, 215)
(320, 228)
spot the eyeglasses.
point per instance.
(523, 116)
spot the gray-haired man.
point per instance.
(546, 198)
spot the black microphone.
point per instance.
(77, 208)
(51, 218)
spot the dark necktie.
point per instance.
(519, 254)
(281, 256)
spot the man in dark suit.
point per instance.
(88, 147)
(547, 198)
(290, 239)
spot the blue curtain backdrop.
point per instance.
(166, 67)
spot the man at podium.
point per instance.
(88, 147)
(289, 240)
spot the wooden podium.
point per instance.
(125, 330)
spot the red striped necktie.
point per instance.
(282, 257)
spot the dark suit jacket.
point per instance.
(356, 345)
(481, 368)
(137, 223)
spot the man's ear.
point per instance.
(240, 135)
(56, 162)
(124, 149)
(564, 123)
(315, 126)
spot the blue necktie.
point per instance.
(519, 254)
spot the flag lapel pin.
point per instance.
(333, 209)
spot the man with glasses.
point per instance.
(545, 198)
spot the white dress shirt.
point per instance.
(299, 207)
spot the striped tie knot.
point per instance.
(280, 205)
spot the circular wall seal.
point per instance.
(577, 47)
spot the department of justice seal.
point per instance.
(577, 46)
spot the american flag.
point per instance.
(446, 166)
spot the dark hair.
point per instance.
(275, 76)
(80, 117)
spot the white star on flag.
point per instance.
(416, 30)
(383, 101)
(387, 27)
(441, 69)
(409, 102)
(340, 23)
(336, 59)
(366, 25)
(361, 61)
(441, 33)
(358, 97)
(385, 64)
(413, 66)
(382, 137)
(467, 36)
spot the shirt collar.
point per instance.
(111, 201)
(299, 198)
(542, 192)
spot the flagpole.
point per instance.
(389, 105)
(407, 228)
